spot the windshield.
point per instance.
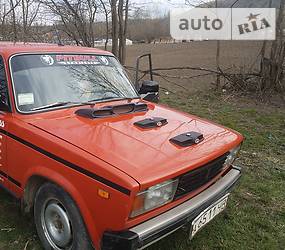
(53, 80)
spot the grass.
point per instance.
(255, 218)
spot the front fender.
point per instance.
(63, 182)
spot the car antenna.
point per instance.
(58, 37)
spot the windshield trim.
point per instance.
(66, 106)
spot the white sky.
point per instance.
(161, 7)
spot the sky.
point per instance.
(162, 7)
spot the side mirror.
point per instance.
(149, 91)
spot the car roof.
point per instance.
(10, 48)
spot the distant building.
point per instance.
(103, 41)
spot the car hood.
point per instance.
(144, 154)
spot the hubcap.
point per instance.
(56, 225)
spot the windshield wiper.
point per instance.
(109, 98)
(54, 105)
(102, 99)
(60, 104)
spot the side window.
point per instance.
(4, 96)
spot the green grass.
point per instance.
(255, 218)
(16, 231)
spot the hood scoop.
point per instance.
(112, 110)
(187, 139)
(153, 122)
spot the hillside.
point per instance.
(244, 3)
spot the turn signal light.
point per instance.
(104, 194)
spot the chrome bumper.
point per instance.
(153, 230)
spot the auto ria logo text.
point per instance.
(223, 24)
(255, 22)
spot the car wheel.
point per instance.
(58, 220)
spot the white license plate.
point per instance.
(208, 214)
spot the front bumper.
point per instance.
(162, 225)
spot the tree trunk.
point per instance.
(107, 24)
(264, 45)
(272, 75)
(125, 32)
(24, 21)
(14, 21)
(115, 34)
(121, 28)
(123, 12)
(218, 80)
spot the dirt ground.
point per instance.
(234, 55)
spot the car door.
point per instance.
(5, 116)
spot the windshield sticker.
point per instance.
(76, 59)
(26, 99)
(47, 59)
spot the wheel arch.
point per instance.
(40, 175)
(32, 186)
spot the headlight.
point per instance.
(232, 156)
(154, 197)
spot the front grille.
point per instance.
(195, 179)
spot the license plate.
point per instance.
(208, 214)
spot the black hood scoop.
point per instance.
(93, 113)
(187, 139)
(153, 122)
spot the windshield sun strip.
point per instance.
(66, 106)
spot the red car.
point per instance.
(99, 166)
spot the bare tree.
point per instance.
(123, 22)
(13, 5)
(106, 10)
(120, 14)
(77, 18)
(30, 10)
(8, 17)
(115, 29)
(218, 81)
(272, 68)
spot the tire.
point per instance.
(58, 220)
